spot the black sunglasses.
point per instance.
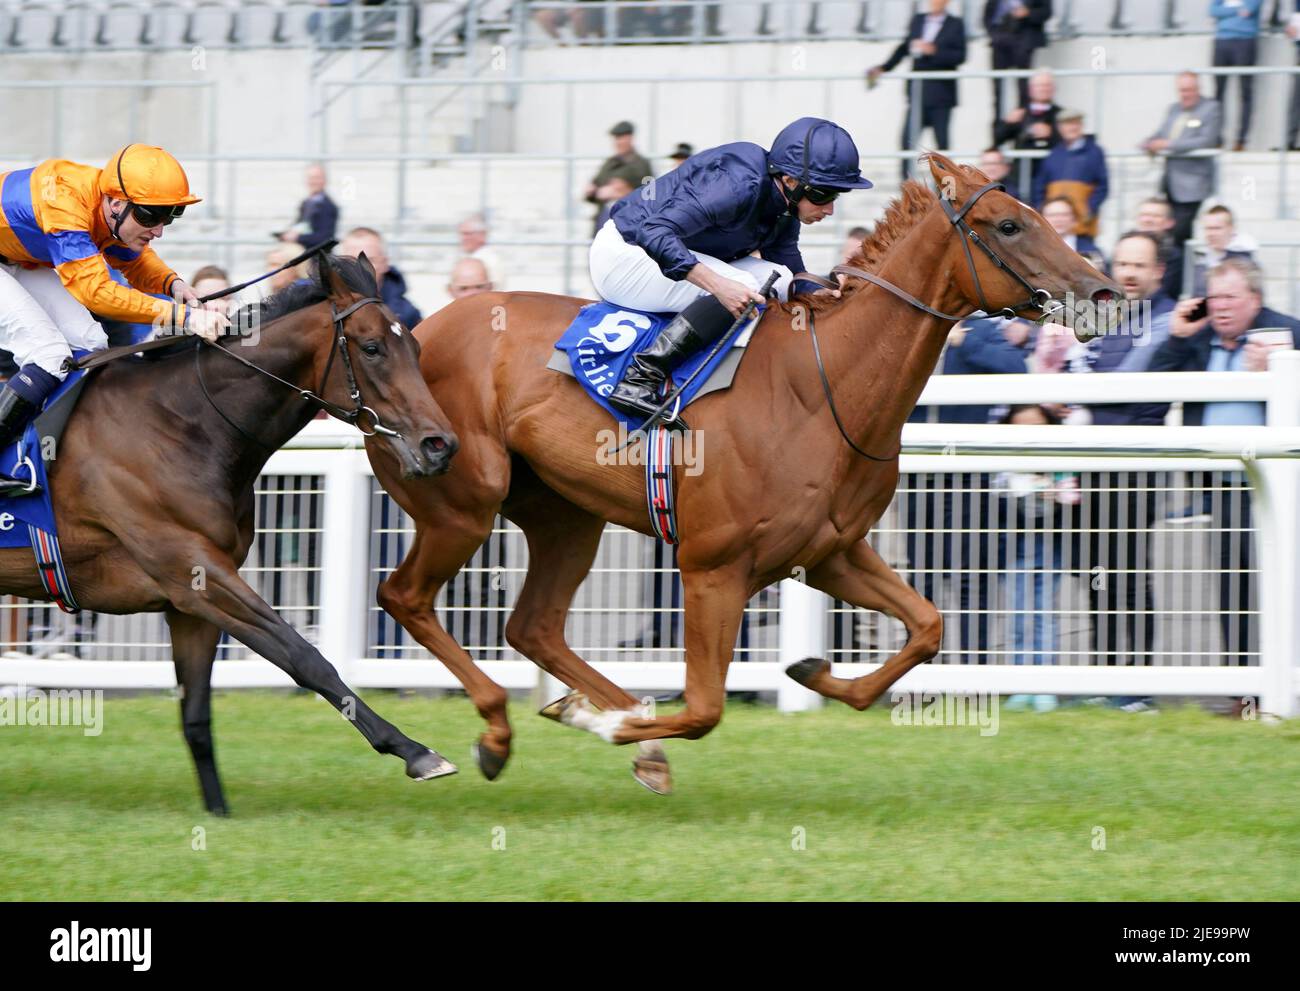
(819, 196)
(152, 216)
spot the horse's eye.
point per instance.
(370, 348)
(1007, 227)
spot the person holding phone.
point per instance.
(1213, 334)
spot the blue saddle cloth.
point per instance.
(19, 460)
(603, 338)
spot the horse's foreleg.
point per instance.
(194, 647)
(562, 543)
(860, 577)
(201, 581)
(408, 595)
(715, 604)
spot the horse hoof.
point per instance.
(488, 762)
(654, 774)
(809, 668)
(557, 709)
(429, 764)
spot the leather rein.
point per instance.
(1037, 299)
(350, 416)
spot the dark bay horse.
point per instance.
(153, 483)
(780, 487)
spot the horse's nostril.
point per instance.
(439, 447)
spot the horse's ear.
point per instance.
(327, 275)
(949, 179)
(368, 268)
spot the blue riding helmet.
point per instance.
(817, 152)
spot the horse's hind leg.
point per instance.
(562, 543)
(408, 595)
(194, 647)
(860, 576)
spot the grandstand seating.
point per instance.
(328, 97)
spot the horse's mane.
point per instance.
(903, 213)
(305, 292)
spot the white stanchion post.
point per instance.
(803, 634)
(347, 584)
(1277, 529)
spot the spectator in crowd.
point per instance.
(1218, 342)
(682, 152)
(952, 521)
(1156, 216)
(936, 41)
(1192, 123)
(318, 215)
(1076, 169)
(1032, 126)
(1062, 217)
(617, 188)
(1112, 537)
(1035, 513)
(277, 256)
(1293, 117)
(994, 164)
(626, 164)
(392, 284)
(1236, 43)
(852, 244)
(469, 277)
(1221, 243)
(1015, 30)
(210, 279)
(473, 235)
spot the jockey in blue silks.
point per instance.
(683, 242)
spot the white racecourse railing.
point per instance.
(327, 534)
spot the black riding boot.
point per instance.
(15, 412)
(695, 328)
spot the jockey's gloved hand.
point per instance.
(208, 324)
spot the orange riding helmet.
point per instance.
(146, 175)
(152, 182)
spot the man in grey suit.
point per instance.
(1194, 122)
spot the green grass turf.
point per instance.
(1193, 806)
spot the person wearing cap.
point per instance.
(61, 225)
(687, 249)
(1076, 169)
(626, 163)
(682, 152)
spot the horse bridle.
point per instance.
(351, 416)
(1038, 299)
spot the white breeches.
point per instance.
(40, 322)
(625, 275)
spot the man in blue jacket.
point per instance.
(683, 243)
(1076, 169)
(951, 519)
(1236, 43)
(936, 41)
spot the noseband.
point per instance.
(351, 416)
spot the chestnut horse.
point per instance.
(153, 483)
(781, 489)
